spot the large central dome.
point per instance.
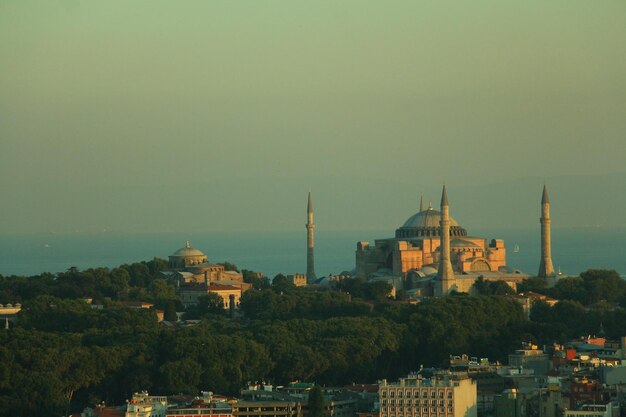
(426, 223)
(427, 218)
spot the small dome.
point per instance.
(429, 270)
(187, 250)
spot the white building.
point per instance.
(415, 396)
(144, 405)
(594, 410)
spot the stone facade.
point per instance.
(231, 294)
(299, 280)
(415, 253)
(194, 276)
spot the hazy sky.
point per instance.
(221, 115)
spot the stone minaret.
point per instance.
(546, 269)
(310, 244)
(445, 274)
(421, 203)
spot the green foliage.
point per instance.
(377, 291)
(268, 305)
(209, 304)
(169, 313)
(138, 281)
(533, 284)
(281, 284)
(229, 266)
(258, 281)
(484, 287)
(63, 355)
(315, 403)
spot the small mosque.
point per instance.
(431, 254)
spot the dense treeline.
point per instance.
(63, 355)
(590, 287)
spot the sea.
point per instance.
(573, 250)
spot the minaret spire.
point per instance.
(421, 203)
(310, 239)
(445, 275)
(546, 269)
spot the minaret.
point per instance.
(546, 269)
(421, 203)
(445, 273)
(310, 244)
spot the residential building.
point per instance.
(415, 396)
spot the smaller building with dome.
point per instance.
(192, 274)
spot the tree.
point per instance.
(541, 312)
(316, 402)
(169, 313)
(228, 266)
(181, 376)
(257, 279)
(402, 295)
(281, 283)
(534, 284)
(209, 304)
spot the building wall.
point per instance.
(402, 256)
(267, 409)
(299, 280)
(189, 295)
(428, 398)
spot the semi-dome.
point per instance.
(426, 223)
(462, 243)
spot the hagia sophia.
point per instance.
(433, 255)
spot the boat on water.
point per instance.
(516, 248)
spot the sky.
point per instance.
(157, 115)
